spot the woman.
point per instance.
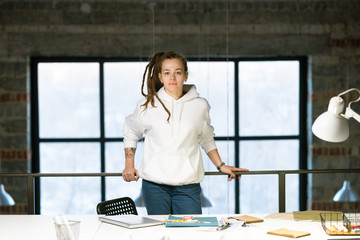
(176, 123)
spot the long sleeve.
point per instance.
(133, 128)
(206, 137)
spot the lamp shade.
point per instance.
(205, 202)
(331, 126)
(346, 194)
(139, 201)
(5, 198)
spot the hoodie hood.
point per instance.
(189, 90)
(175, 107)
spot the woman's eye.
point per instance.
(178, 73)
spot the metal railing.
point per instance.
(281, 179)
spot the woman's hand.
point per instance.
(229, 170)
(130, 174)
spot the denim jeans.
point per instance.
(163, 199)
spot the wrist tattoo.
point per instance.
(130, 152)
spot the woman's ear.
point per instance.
(159, 75)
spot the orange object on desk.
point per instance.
(247, 219)
(289, 233)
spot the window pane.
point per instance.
(69, 195)
(269, 98)
(253, 186)
(122, 90)
(292, 184)
(223, 198)
(215, 82)
(68, 100)
(268, 155)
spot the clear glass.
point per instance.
(253, 186)
(69, 195)
(223, 198)
(215, 82)
(268, 155)
(292, 194)
(122, 90)
(68, 98)
(269, 98)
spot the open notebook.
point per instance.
(190, 221)
(130, 221)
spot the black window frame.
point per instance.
(236, 138)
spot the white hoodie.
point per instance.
(172, 154)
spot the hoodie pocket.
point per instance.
(170, 170)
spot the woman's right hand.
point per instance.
(130, 174)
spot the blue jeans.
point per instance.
(163, 199)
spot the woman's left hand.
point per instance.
(229, 170)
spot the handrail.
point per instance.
(281, 174)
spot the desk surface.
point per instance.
(16, 227)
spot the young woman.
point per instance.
(176, 122)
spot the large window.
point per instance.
(78, 111)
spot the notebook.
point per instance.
(247, 219)
(130, 221)
(189, 221)
(289, 233)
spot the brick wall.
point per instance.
(326, 31)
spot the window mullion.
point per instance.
(236, 128)
(102, 128)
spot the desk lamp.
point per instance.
(5, 198)
(332, 125)
(346, 194)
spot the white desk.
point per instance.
(20, 227)
(41, 227)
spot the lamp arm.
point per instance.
(349, 113)
(350, 90)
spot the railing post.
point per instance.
(281, 192)
(30, 194)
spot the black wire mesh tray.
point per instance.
(338, 223)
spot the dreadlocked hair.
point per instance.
(151, 77)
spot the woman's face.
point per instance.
(173, 76)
